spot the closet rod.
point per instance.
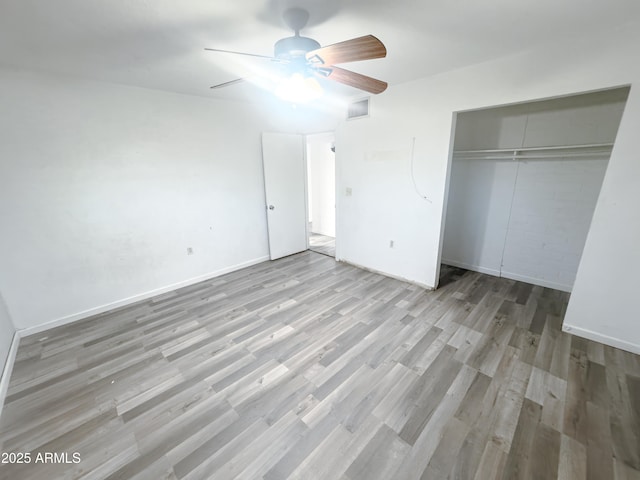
(531, 157)
(534, 149)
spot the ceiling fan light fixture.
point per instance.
(307, 58)
(299, 89)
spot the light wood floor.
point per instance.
(305, 368)
(322, 244)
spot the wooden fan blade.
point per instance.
(361, 48)
(353, 79)
(279, 60)
(226, 84)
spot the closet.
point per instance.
(524, 184)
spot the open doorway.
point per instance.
(321, 191)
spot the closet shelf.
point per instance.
(536, 153)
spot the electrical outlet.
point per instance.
(390, 243)
(189, 251)
(348, 192)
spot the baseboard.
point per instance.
(600, 338)
(135, 298)
(537, 281)
(385, 274)
(473, 268)
(8, 368)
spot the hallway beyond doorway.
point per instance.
(322, 244)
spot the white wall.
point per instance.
(7, 331)
(322, 184)
(104, 187)
(384, 204)
(478, 214)
(526, 221)
(553, 204)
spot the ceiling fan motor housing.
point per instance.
(294, 47)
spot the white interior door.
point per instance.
(284, 181)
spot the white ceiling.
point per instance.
(159, 43)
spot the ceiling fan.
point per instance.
(302, 59)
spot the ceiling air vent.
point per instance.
(358, 109)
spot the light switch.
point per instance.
(348, 192)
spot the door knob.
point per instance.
(271, 207)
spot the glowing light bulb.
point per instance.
(299, 89)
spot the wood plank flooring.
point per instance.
(322, 244)
(305, 368)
